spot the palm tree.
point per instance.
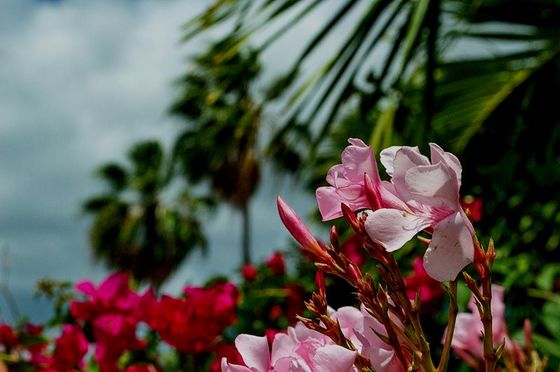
(391, 48)
(221, 119)
(133, 229)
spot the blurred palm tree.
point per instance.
(133, 229)
(221, 121)
(390, 49)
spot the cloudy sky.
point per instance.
(80, 81)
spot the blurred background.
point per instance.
(82, 84)
(155, 136)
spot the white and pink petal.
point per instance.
(254, 350)
(433, 185)
(450, 250)
(392, 228)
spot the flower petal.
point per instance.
(467, 333)
(227, 367)
(450, 250)
(254, 351)
(329, 200)
(86, 287)
(438, 155)
(392, 228)
(334, 358)
(387, 158)
(405, 159)
(358, 159)
(390, 198)
(283, 346)
(434, 185)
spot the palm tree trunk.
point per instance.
(246, 234)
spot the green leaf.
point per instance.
(413, 34)
(381, 136)
(545, 279)
(546, 345)
(551, 318)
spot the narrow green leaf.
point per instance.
(383, 129)
(413, 34)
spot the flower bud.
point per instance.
(350, 217)
(320, 283)
(372, 194)
(299, 231)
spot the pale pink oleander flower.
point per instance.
(348, 185)
(300, 349)
(430, 191)
(361, 329)
(467, 336)
(422, 194)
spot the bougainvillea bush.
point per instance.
(353, 304)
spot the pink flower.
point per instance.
(430, 192)
(348, 184)
(360, 328)
(467, 341)
(421, 195)
(301, 349)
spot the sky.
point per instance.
(81, 81)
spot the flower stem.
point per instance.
(444, 360)
(490, 357)
(414, 314)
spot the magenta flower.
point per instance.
(430, 191)
(70, 348)
(276, 263)
(430, 290)
(113, 294)
(112, 311)
(301, 349)
(467, 336)
(362, 330)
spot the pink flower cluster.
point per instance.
(303, 349)
(423, 194)
(300, 349)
